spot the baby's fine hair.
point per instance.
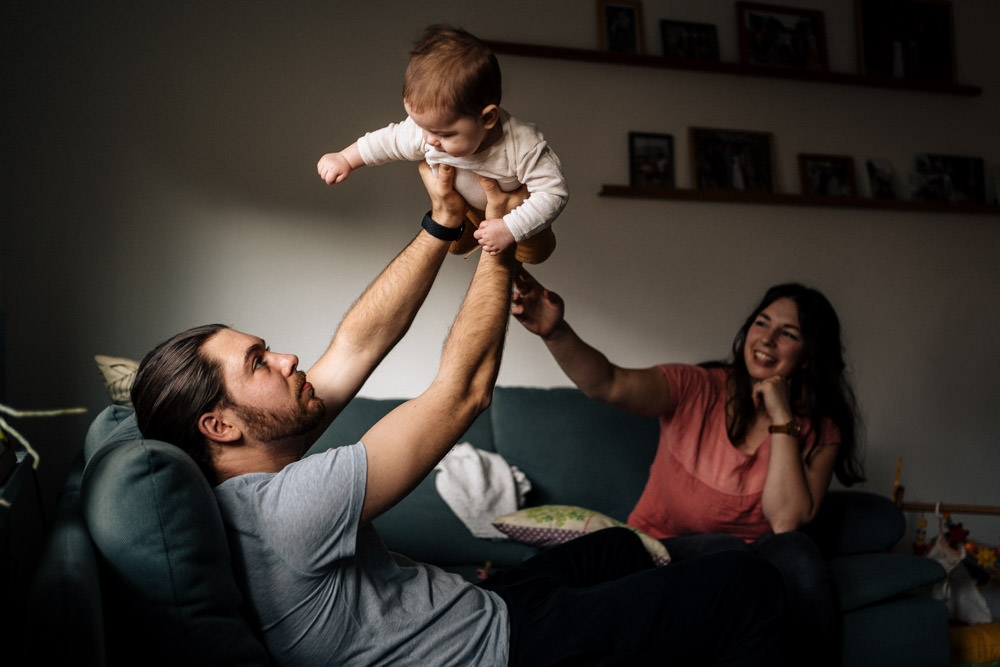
(451, 69)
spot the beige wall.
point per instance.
(161, 174)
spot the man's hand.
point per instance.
(498, 202)
(538, 309)
(447, 206)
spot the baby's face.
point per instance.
(458, 136)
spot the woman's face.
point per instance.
(774, 344)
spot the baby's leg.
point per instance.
(536, 249)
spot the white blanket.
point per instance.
(479, 486)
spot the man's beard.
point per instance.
(272, 426)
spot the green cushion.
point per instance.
(114, 424)
(167, 575)
(575, 451)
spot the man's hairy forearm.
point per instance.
(471, 357)
(385, 310)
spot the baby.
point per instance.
(451, 93)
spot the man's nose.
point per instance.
(289, 362)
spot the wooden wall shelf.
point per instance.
(738, 69)
(725, 196)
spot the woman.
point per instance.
(747, 447)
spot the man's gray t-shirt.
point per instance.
(327, 592)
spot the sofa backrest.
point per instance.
(575, 450)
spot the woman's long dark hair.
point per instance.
(819, 388)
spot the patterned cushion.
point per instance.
(549, 525)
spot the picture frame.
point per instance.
(651, 160)
(824, 175)
(882, 180)
(734, 160)
(909, 39)
(949, 178)
(689, 40)
(781, 37)
(620, 26)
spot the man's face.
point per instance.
(268, 393)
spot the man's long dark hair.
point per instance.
(819, 388)
(175, 385)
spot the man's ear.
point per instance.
(217, 427)
(490, 115)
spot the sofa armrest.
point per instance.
(864, 579)
(856, 522)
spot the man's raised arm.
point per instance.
(404, 446)
(383, 313)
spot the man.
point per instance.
(322, 587)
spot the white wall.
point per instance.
(160, 174)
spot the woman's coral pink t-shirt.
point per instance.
(699, 482)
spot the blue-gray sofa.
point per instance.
(137, 569)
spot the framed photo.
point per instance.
(882, 179)
(827, 175)
(651, 160)
(620, 25)
(689, 41)
(732, 160)
(786, 37)
(950, 178)
(911, 39)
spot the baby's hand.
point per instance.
(494, 236)
(333, 168)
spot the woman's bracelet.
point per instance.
(440, 231)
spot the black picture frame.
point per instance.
(651, 160)
(949, 178)
(689, 40)
(908, 39)
(734, 160)
(781, 37)
(824, 175)
(882, 180)
(620, 26)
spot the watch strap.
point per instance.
(440, 231)
(792, 428)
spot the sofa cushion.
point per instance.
(575, 450)
(864, 579)
(172, 597)
(113, 424)
(910, 631)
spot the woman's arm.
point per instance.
(794, 488)
(643, 391)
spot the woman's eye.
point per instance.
(791, 335)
